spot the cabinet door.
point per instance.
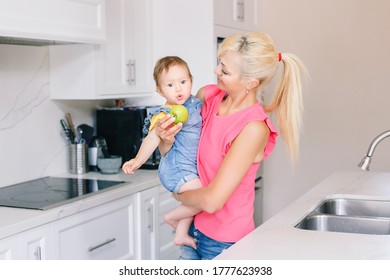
(36, 244)
(104, 232)
(64, 20)
(120, 68)
(238, 14)
(126, 61)
(167, 250)
(148, 203)
(9, 248)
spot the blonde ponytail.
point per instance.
(287, 102)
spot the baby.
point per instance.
(177, 170)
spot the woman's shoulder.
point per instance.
(209, 92)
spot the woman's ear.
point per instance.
(254, 83)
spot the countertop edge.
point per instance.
(18, 220)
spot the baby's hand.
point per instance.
(130, 166)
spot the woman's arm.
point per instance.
(247, 148)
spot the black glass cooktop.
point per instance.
(50, 192)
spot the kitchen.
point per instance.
(325, 35)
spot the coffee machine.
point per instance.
(122, 130)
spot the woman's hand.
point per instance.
(167, 130)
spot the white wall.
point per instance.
(31, 144)
(345, 45)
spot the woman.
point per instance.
(237, 135)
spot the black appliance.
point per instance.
(50, 192)
(122, 130)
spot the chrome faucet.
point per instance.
(365, 163)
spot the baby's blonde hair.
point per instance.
(259, 61)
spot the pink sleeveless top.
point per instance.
(235, 219)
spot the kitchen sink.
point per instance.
(348, 224)
(347, 215)
(355, 207)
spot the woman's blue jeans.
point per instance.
(206, 248)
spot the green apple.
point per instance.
(180, 113)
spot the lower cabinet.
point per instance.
(104, 232)
(33, 244)
(36, 243)
(9, 248)
(155, 234)
(131, 227)
(167, 250)
(147, 227)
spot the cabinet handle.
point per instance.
(240, 10)
(132, 72)
(38, 253)
(108, 241)
(150, 218)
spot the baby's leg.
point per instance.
(183, 211)
(181, 217)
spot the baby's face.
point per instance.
(175, 85)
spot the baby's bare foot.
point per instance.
(185, 240)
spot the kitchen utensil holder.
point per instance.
(78, 158)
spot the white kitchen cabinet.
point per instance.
(237, 14)
(81, 21)
(126, 64)
(104, 232)
(148, 231)
(9, 248)
(186, 29)
(120, 68)
(36, 243)
(33, 244)
(167, 250)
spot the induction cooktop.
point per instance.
(49, 192)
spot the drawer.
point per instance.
(106, 232)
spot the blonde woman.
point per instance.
(236, 136)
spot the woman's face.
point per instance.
(228, 72)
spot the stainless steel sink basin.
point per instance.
(348, 224)
(350, 216)
(355, 207)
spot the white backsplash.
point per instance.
(31, 140)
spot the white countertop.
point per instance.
(277, 238)
(15, 220)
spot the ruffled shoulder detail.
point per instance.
(212, 94)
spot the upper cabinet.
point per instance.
(121, 67)
(81, 21)
(139, 32)
(125, 64)
(237, 14)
